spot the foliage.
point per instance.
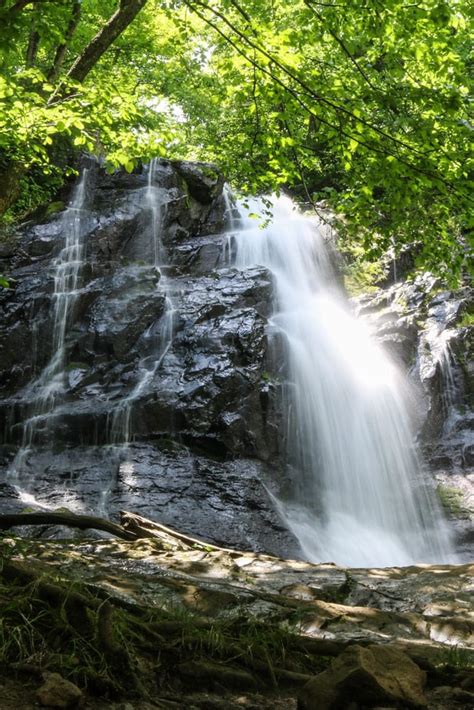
(467, 320)
(360, 274)
(363, 105)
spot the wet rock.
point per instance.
(429, 333)
(204, 180)
(372, 676)
(57, 692)
(222, 501)
(206, 392)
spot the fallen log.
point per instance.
(132, 527)
(143, 527)
(71, 520)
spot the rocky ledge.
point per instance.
(165, 405)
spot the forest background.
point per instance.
(360, 105)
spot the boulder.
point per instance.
(57, 692)
(204, 180)
(370, 677)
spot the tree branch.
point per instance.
(341, 44)
(62, 47)
(340, 111)
(34, 39)
(120, 20)
(82, 522)
(291, 74)
(19, 6)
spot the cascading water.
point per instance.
(357, 497)
(158, 337)
(43, 395)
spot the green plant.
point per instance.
(467, 320)
(360, 274)
(457, 657)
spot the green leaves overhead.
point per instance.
(374, 100)
(364, 105)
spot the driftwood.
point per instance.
(132, 527)
(71, 520)
(142, 527)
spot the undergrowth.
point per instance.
(116, 649)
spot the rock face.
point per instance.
(162, 405)
(57, 692)
(153, 393)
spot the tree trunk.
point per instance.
(34, 39)
(62, 48)
(83, 522)
(120, 20)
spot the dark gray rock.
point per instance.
(204, 181)
(180, 426)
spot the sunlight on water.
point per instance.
(356, 493)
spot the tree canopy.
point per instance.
(361, 103)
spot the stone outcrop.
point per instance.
(203, 435)
(203, 419)
(375, 676)
(57, 692)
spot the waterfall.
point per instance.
(158, 337)
(44, 393)
(356, 494)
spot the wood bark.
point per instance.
(82, 522)
(63, 46)
(143, 527)
(120, 20)
(133, 526)
(19, 6)
(34, 39)
(9, 185)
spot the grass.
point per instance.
(467, 320)
(458, 658)
(118, 650)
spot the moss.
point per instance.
(77, 366)
(54, 207)
(467, 320)
(452, 501)
(210, 173)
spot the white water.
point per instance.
(120, 431)
(356, 496)
(47, 390)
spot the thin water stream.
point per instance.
(45, 393)
(357, 494)
(159, 337)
